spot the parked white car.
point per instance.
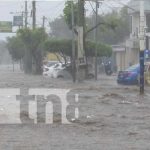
(49, 71)
(63, 72)
(49, 64)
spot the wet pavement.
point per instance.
(111, 116)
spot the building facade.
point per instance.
(132, 44)
(127, 54)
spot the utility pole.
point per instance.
(81, 11)
(22, 26)
(34, 14)
(96, 30)
(26, 14)
(142, 45)
(43, 25)
(27, 57)
(73, 45)
(81, 39)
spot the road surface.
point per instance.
(112, 117)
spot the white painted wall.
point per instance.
(135, 25)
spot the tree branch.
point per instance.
(100, 23)
(57, 57)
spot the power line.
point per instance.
(92, 7)
(55, 13)
(126, 6)
(123, 4)
(111, 7)
(102, 9)
(53, 7)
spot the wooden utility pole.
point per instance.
(96, 15)
(81, 13)
(81, 38)
(33, 14)
(73, 45)
(26, 14)
(81, 27)
(43, 25)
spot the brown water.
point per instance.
(112, 117)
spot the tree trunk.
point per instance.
(38, 59)
(27, 62)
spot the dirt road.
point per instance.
(112, 117)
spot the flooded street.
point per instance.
(71, 74)
(111, 116)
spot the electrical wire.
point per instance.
(122, 4)
(111, 7)
(54, 7)
(101, 9)
(56, 12)
(92, 7)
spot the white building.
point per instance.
(130, 55)
(132, 44)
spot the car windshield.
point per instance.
(49, 64)
(133, 68)
(56, 65)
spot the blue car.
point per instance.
(129, 76)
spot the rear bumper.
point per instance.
(127, 81)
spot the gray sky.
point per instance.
(50, 9)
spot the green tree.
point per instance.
(28, 44)
(63, 48)
(60, 47)
(116, 28)
(102, 49)
(16, 48)
(59, 29)
(68, 15)
(113, 27)
(33, 41)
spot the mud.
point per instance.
(112, 117)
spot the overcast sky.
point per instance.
(48, 8)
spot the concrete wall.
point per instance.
(132, 57)
(120, 61)
(135, 25)
(118, 57)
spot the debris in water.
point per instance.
(73, 119)
(88, 117)
(125, 102)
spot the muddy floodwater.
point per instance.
(111, 116)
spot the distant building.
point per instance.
(118, 57)
(132, 44)
(127, 54)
